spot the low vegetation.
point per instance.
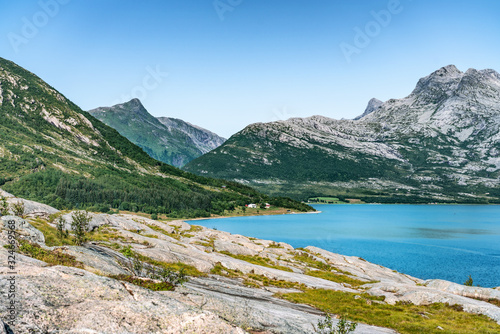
(145, 283)
(258, 260)
(188, 270)
(52, 236)
(80, 226)
(402, 317)
(327, 326)
(53, 257)
(255, 280)
(337, 277)
(326, 200)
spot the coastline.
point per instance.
(256, 215)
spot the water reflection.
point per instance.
(448, 233)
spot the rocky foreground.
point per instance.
(230, 295)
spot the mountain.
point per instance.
(170, 140)
(440, 143)
(373, 105)
(204, 139)
(53, 152)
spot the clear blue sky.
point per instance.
(265, 60)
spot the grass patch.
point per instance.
(145, 283)
(254, 280)
(107, 234)
(404, 318)
(336, 277)
(178, 266)
(50, 233)
(255, 259)
(279, 283)
(159, 229)
(194, 229)
(493, 301)
(220, 270)
(52, 257)
(311, 262)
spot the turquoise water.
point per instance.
(448, 242)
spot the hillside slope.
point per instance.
(53, 152)
(440, 143)
(170, 140)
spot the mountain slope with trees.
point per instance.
(440, 143)
(170, 140)
(53, 152)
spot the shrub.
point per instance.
(80, 226)
(469, 281)
(4, 207)
(61, 231)
(326, 326)
(135, 266)
(18, 209)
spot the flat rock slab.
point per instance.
(255, 308)
(68, 300)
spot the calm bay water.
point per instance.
(448, 242)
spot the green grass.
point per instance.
(336, 277)
(255, 259)
(178, 266)
(274, 245)
(309, 260)
(255, 280)
(145, 283)
(50, 233)
(159, 229)
(52, 257)
(404, 318)
(326, 200)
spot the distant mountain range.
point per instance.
(440, 143)
(53, 152)
(170, 140)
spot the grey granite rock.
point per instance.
(69, 300)
(23, 229)
(64, 300)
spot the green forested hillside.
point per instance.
(169, 140)
(52, 151)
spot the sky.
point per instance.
(225, 64)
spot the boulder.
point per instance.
(24, 230)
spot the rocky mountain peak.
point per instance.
(373, 105)
(450, 70)
(134, 106)
(438, 84)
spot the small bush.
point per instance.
(80, 226)
(4, 206)
(135, 265)
(18, 209)
(469, 281)
(327, 326)
(61, 231)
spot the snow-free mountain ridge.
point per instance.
(441, 142)
(170, 140)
